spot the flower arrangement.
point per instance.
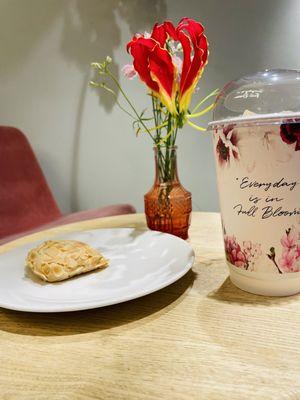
(170, 61)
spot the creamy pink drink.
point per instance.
(256, 142)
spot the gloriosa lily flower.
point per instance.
(154, 62)
(170, 61)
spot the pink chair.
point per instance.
(26, 202)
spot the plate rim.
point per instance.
(87, 306)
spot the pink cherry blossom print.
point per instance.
(287, 261)
(288, 240)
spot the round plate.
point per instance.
(140, 262)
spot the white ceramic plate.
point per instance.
(141, 262)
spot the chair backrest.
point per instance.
(25, 197)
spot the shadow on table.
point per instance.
(229, 293)
(73, 323)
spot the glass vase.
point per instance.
(168, 204)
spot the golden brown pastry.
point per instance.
(56, 260)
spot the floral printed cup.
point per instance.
(256, 138)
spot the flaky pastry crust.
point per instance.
(57, 260)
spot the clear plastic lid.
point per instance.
(267, 97)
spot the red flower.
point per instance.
(153, 61)
(154, 65)
(195, 53)
(290, 133)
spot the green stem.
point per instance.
(167, 157)
(200, 113)
(129, 102)
(155, 118)
(199, 128)
(213, 93)
(116, 98)
(175, 134)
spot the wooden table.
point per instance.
(200, 338)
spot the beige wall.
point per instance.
(85, 144)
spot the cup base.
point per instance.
(284, 285)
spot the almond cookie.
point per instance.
(56, 260)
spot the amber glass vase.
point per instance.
(168, 204)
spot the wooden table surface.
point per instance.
(200, 338)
